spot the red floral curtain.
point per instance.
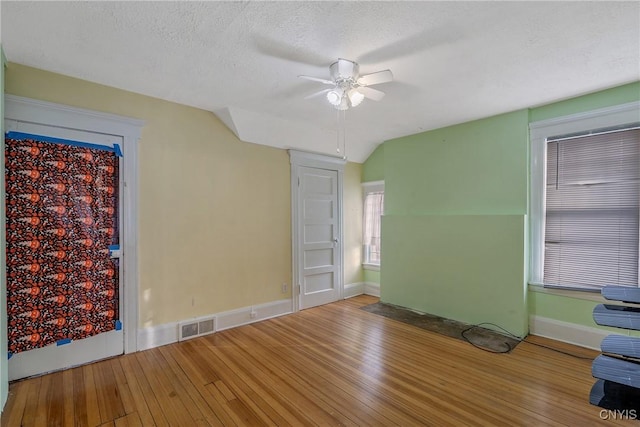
(62, 202)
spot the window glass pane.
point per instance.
(592, 209)
(373, 208)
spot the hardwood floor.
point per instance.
(330, 365)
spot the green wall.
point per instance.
(371, 276)
(605, 98)
(454, 225)
(559, 307)
(452, 198)
(464, 267)
(569, 309)
(373, 168)
(4, 373)
(473, 168)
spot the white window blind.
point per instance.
(373, 209)
(592, 210)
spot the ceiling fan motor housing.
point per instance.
(343, 69)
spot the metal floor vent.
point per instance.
(196, 328)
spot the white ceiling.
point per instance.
(453, 61)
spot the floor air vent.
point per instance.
(196, 328)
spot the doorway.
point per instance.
(316, 191)
(54, 135)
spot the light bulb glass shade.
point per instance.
(335, 96)
(355, 97)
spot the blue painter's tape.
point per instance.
(118, 325)
(117, 150)
(41, 138)
(63, 342)
(9, 355)
(113, 248)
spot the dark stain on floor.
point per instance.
(478, 336)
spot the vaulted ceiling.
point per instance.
(452, 61)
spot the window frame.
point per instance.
(539, 133)
(367, 188)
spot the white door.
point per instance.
(318, 236)
(67, 352)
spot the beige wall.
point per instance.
(215, 216)
(352, 210)
(215, 213)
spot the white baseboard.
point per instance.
(155, 336)
(571, 333)
(363, 288)
(242, 316)
(167, 333)
(372, 289)
(353, 289)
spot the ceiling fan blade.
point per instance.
(376, 78)
(416, 44)
(318, 79)
(313, 95)
(287, 51)
(370, 93)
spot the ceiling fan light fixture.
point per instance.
(355, 97)
(349, 87)
(335, 96)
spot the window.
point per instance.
(373, 209)
(586, 199)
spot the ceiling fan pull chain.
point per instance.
(344, 134)
(338, 131)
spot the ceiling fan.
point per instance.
(349, 87)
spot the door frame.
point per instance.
(300, 159)
(30, 111)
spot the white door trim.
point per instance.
(300, 159)
(25, 110)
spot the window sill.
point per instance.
(371, 267)
(589, 296)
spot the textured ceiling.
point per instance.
(452, 61)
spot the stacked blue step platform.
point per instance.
(617, 370)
